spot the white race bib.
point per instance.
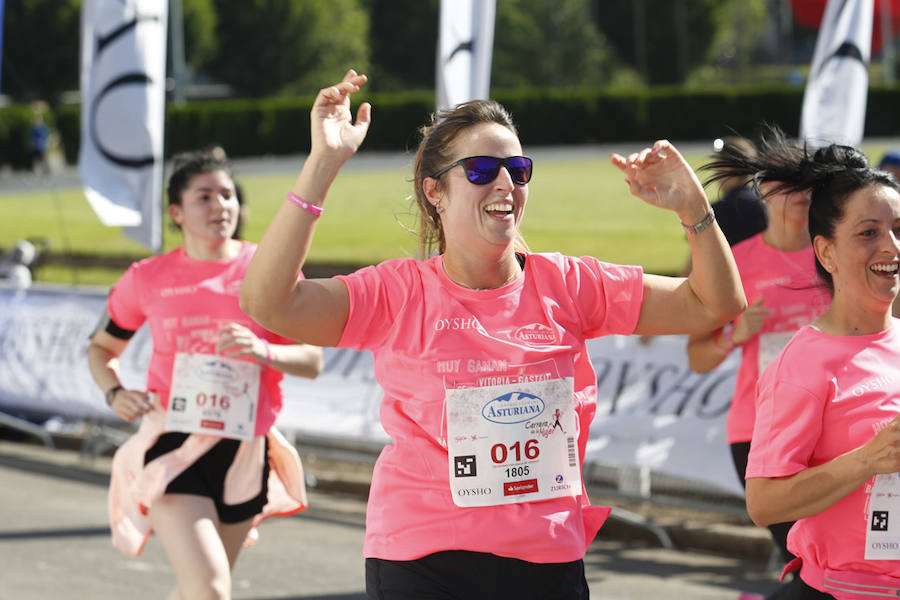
(213, 394)
(512, 443)
(883, 529)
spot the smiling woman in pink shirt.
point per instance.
(480, 350)
(206, 464)
(826, 441)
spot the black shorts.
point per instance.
(800, 590)
(463, 575)
(206, 477)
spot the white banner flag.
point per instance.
(465, 51)
(123, 81)
(834, 104)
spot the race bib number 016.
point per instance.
(213, 394)
(512, 443)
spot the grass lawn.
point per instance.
(575, 206)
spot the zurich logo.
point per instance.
(514, 407)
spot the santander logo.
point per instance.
(535, 333)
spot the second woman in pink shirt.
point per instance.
(826, 441)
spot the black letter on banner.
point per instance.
(678, 387)
(127, 79)
(708, 396)
(103, 41)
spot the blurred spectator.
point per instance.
(890, 162)
(39, 138)
(739, 211)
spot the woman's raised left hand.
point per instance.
(660, 176)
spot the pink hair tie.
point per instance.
(312, 209)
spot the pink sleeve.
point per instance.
(377, 294)
(788, 427)
(609, 296)
(123, 304)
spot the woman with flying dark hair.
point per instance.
(778, 273)
(826, 442)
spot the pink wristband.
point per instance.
(268, 351)
(715, 341)
(728, 330)
(312, 209)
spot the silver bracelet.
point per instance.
(702, 224)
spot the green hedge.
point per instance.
(544, 117)
(15, 142)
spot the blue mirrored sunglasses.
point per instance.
(482, 170)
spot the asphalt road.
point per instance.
(54, 543)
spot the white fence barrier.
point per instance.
(652, 414)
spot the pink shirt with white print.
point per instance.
(429, 334)
(794, 297)
(186, 302)
(823, 396)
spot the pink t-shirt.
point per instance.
(429, 334)
(186, 301)
(794, 297)
(826, 395)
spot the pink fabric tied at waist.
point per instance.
(134, 486)
(594, 518)
(792, 566)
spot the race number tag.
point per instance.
(213, 394)
(883, 529)
(512, 443)
(771, 345)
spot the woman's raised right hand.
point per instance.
(331, 122)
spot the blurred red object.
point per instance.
(808, 13)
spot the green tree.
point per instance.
(662, 39)
(403, 43)
(547, 42)
(40, 48)
(200, 32)
(742, 23)
(288, 46)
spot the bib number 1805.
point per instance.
(500, 452)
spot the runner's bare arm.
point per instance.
(706, 351)
(809, 492)
(309, 311)
(712, 294)
(302, 360)
(103, 361)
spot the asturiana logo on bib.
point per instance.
(514, 407)
(536, 333)
(216, 370)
